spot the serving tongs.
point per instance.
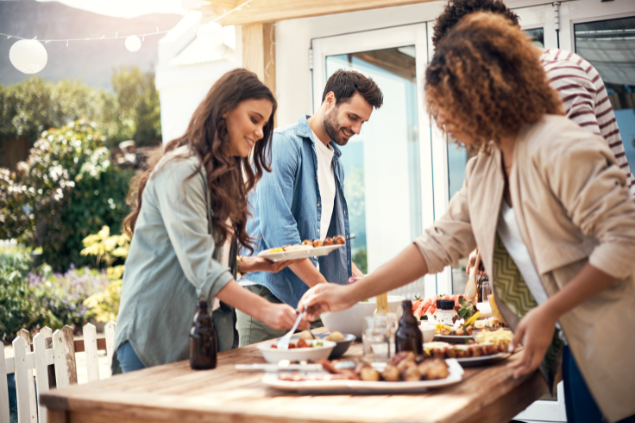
(283, 343)
(471, 293)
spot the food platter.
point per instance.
(478, 361)
(357, 386)
(454, 339)
(299, 253)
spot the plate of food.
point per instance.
(453, 334)
(489, 347)
(406, 374)
(308, 248)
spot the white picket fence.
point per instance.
(53, 359)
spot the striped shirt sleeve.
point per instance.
(586, 101)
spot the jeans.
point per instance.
(580, 405)
(128, 358)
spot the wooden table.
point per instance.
(174, 392)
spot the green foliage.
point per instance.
(107, 248)
(360, 258)
(67, 189)
(40, 297)
(133, 111)
(356, 200)
(17, 310)
(139, 107)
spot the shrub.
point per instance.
(59, 298)
(36, 298)
(107, 249)
(17, 308)
(66, 190)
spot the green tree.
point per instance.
(139, 110)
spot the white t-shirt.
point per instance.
(326, 183)
(507, 229)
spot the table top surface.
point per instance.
(175, 392)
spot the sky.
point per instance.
(125, 8)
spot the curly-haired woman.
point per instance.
(549, 209)
(189, 218)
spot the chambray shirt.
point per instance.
(173, 261)
(286, 209)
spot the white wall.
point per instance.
(181, 90)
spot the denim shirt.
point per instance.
(286, 209)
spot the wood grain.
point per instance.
(174, 392)
(277, 10)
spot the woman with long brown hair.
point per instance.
(549, 209)
(188, 223)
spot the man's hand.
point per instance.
(325, 297)
(261, 264)
(282, 317)
(535, 331)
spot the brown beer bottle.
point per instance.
(203, 347)
(408, 336)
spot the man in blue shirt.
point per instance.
(303, 196)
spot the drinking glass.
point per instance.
(486, 289)
(376, 338)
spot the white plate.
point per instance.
(486, 359)
(274, 355)
(299, 254)
(456, 374)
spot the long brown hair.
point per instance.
(229, 178)
(486, 79)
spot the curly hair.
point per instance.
(229, 178)
(455, 10)
(485, 78)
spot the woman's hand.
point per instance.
(261, 264)
(282, 317)
(325, 297)
(471, 261)
(535, 331)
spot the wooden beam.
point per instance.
(259, 52)
(260, 11)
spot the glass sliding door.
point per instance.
(609, 45)
(386, 165)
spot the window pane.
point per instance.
(610, 47)
(382, 164)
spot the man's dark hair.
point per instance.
(345, 84)
(457, 9)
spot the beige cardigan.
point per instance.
(572, 207)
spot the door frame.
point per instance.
(412, 34)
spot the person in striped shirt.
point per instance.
(580, 85)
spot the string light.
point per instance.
(36, 60)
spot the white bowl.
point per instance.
(352, 320)
(274, 355)
(427, 329)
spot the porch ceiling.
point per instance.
(276, 10)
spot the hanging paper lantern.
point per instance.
(133, 43)
(28, 56)
(211, 33)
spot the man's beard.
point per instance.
(331, 127)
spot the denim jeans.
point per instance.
(580, 405)
(128, 359)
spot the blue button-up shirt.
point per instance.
(286, 209)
